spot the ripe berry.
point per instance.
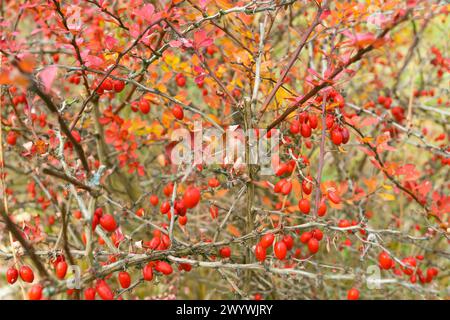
(154, 200)
(280, 250)
(307, 185)
(11, 138)
(108, 222)
(294, 127)
(147, 272)
(260, 252)
(61, 269)
(305, 237)
(177, 112)
(26, 274)
(336, 136)
(191, 197)
(180, 80)
(334, 197)
(140, 212)
(318, 234)
(35, 292)
(163, 267)
(104, 291)
(107, 85)
(144, 106)
(289, 241)
(345, 135)
(305, 130)
(267, 240)
(214, 212)
(322, 210)
(213, 183)
(11, 275)
(89, 294)
(313, 245)
(304, 206)
(118, 85)
(353, 294)
(124, 279)
(225, 252)
(385, 261)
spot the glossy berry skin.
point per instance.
(289, 241)
(225, 252)
(305, 237)
(154, 200)
(260, 252)
(11, 138)
(26, 274)
(280, 250)
(336, 136)
(89, 294)
(163, 267)
(144, 106)
(124, 279)
(177, 112)
(191, 197)
(11, 275)
(385, 261)
(147, 272)
(334, 197)
(118, 85)
(322, 210)
(318, 234)
(61, 269)
(104, 291)
(304, 206)
(35, 292)
(353, 294)
(108, 222)
(267, 240)
(313, 245)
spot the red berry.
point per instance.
(267, 240)
(213, 183)
(305, 237)
(177, 112)
(280, 250)
(304, 206)
(144, 106)
(147, 272)
(385, 261)
(294, 127)
(313, 245)
(124, 279)
(191, 197)
(180, 80)
(11, 138)
(11, 275)
(35, 292)
(61, 269)
(260, 252)
(26, 274)
(89, 294)
(318, 234)
(305, 130)
(334, 197)
(307, 185)
(165, 207)
(107, 85)
(154, 200)
(336, 136)
(118, 85)
(345, 135)
(108, 222)
(104, 291)
(163, 267)
(353, 294)
(322, 210)
(225, 252)
(289, 241)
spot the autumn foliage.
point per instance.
(94, 206)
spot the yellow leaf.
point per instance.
(387, 187)
(387, 196)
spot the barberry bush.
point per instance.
(95, 206)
